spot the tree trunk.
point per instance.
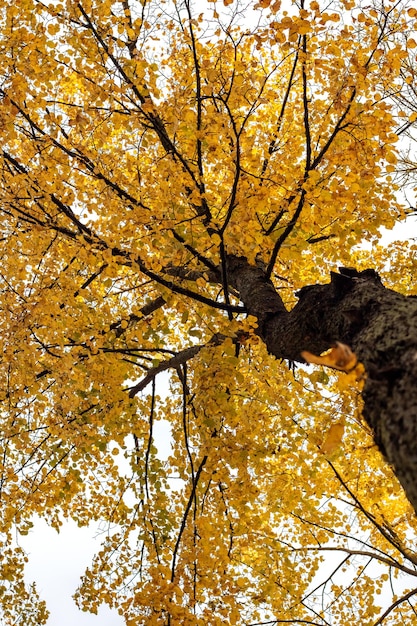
(378, 324)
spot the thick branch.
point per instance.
(379, 325)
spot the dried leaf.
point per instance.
(340, 357)
(333, 438)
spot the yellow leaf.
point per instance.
(216, 239)
(333, 438)
(340, 357)
(391, 157)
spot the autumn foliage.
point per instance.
(143, 144)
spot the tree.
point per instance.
(178, 183)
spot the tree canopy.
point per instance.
(179, 183)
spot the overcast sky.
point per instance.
(56, 563)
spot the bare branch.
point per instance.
(173, 363)
(403, 598)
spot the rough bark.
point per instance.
(380, 325)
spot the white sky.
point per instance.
(56, 563)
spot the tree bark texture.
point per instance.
(378, 324)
